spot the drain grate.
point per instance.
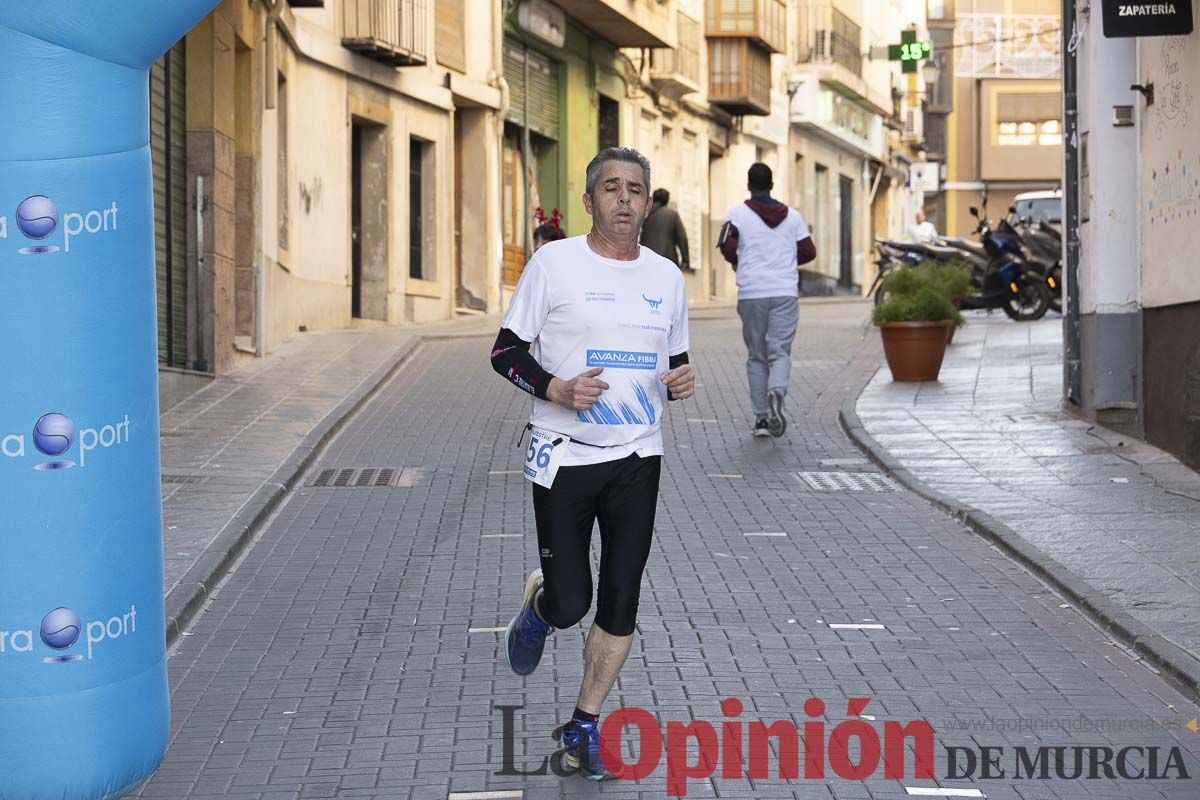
(358, 477)
(184, 479)
(848, 482)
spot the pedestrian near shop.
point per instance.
(922, 229)
(663, 231)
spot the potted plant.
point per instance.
(953, 280)
(914, 330)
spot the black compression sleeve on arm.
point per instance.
(512, 360)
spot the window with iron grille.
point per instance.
(391, 31)
(684, 59)
(941, 93)
(935, 135)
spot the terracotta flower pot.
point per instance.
(914, 350)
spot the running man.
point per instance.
(609, 316)
(765, 240)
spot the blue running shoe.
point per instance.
(582, 740)
(525, 636)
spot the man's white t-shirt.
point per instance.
(581, 310)
(923, 232)
(767, 256)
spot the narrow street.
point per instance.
(353, 651)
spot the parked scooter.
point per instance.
(1012, 281)
(1044, 244)
(895, 254)
(1002, 274)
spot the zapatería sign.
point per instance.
(1124, 19)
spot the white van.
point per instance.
(1045, 206)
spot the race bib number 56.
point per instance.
(545, 453)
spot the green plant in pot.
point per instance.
(953, 280)
(913, 328)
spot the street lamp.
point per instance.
(931, 69)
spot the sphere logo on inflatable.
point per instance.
(52, 436)
(37, 218)
(60, 630)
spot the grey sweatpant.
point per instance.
(768, 327)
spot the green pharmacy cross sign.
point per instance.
(909, 52)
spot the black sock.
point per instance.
(583, 716)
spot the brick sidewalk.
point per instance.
(1118, 513)
(338, 659)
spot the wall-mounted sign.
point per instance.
(850, 121)
(923, 176)
(1123, 18)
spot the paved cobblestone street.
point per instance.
(352, 652)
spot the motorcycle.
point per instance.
(1012, 281)
(1044, 243)
(1003, 276)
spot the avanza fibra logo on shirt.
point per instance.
(622, 359)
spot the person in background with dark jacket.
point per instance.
(663, 230)
(765, 241)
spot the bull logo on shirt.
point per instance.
(654, 304)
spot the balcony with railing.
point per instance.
(391, 31)
(739, 76)
(625, 23)
(675, 72)
(831, 46)
(829, 36)
(763, 21)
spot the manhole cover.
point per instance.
(359, 477)
(848, 482)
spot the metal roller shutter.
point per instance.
(542, 89)
(168, 148)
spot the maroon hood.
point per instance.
(771, 211)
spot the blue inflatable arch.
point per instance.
(83, 681)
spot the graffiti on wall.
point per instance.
(1174, 185)
(1174, 189)
(1173, 101)
(1170, 172)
